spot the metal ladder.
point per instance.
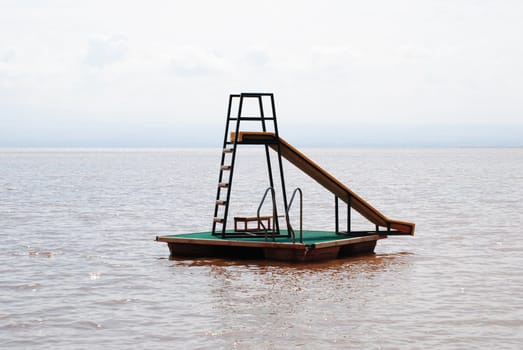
(228, 158)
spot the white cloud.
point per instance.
(256, 57)
(7, 55)
(105, 50)
(194, 61)
(335, 59)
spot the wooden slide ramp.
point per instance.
(325, 179)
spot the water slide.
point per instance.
(325, 179)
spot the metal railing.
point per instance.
(274, 212)
(297, 190)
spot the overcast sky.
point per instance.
(158, 73)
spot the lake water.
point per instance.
(79, 267)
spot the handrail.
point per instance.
(301, 213)
(274, 218)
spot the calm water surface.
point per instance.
(79, 267)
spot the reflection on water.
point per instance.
(284, 305)
(366, 262)
(80, 268)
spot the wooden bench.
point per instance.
(238, 220)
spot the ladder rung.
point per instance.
(223, 185)
(256, 94)
(252, 118)
(220, 202)
(226, 167)
(220, 220)
(228, 150)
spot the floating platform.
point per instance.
(316, 246)
(263, 236)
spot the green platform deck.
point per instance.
(316, 246)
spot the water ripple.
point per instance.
(80, 269)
